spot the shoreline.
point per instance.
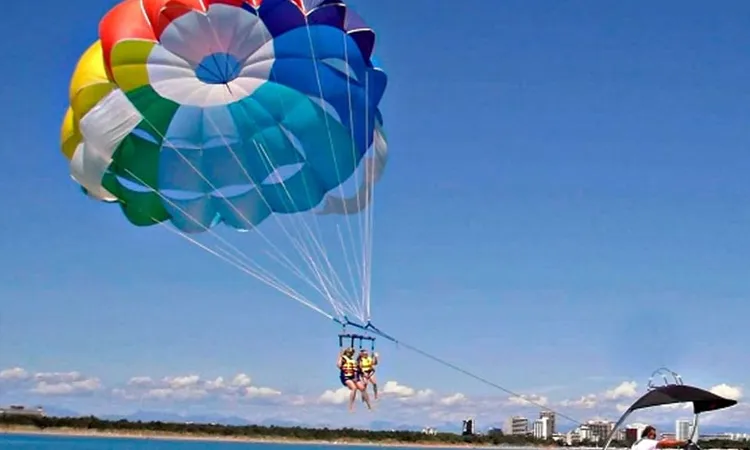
(166, 436)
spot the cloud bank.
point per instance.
(238, 395)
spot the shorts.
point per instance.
(367, 373)
(344, 378)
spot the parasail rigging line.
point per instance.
(327, 119)
(374, 330)
(360, 220)
(339, 291)
(339, 302)
(306, 240)
(236, 257)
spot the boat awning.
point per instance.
(702, 400)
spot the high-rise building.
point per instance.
(542, 428)
(684, 430)
(600, 429)
(468, 427)
(517, 425)
(550, 415)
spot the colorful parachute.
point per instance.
(200, 112)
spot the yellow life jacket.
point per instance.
(366, 364)
(349, 367)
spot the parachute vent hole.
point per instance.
(218, 68)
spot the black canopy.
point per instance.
(703, 401)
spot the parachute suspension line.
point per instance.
(369, 215)
(299, 246)
(202, 176)
(360, 217)
(303, 249)
(325, 281)
(330, 139)
(332, 281)
(357, 309)
(233, 259)
(269, 281)
(450, 365)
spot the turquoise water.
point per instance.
(29, 442)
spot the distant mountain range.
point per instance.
(149, 416)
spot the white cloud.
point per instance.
(390, 391)
(585, 402)
(398, 390)
(623, 391)
(727, 391)
(453, 399)
(14, 374)
(529, 400)
(337, 397)
(416, 405)
(50, 383)
(193, 387)
(253, 391)
(140, 381)
(626, 389)
(406, 393)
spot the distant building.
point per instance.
(429, 431)
(573, 437)
(684, 429)
(729, 436)
(584, 433)
(517, 425)
(550, 416)
(18, 410)
(600, 429)
(468, 427)
(542, 428)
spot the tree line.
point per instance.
(493, 437)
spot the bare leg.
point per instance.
(374, 386)
(363, 381)
(352, 394)
(365, 397)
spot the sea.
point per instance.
(42, 442)
(47, 442)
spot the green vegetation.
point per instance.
(493, 437)
(91, 423)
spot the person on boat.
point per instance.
(349, 377)
(367, 365)
(648, 441)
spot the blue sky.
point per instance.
(565, 209)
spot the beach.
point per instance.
(145, 434)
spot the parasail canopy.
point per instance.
(196, 113)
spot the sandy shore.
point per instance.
(144, 434)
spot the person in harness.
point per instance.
(648, 441)
(367, 365)
(349, 377)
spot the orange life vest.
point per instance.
(349, 367)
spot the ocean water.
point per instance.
(48, 442)
(36, 442)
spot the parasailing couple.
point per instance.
(357, 373)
